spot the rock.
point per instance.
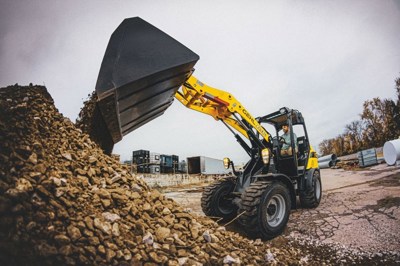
(115, 230)
(92, 159)
(135, 195)
(229, 260)
(115, 178)
(74, 233)
(110, 254)
(111, 217)
(182, 261)
(178, 241)
(67, 156)
(89, 222)
(56, 181)
(127, 255)
(65, 250)
(94, 241)
(46, 250)
(101, 249)
(62, 240)
(162, 233)
(106, 203)
(103, 193)
(23, 185)
(104, 226)
(136, 188)
(207, 236)
(33, 158)
(269, 257)
(166, 211)
(148, 238)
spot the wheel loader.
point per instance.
(144, 70)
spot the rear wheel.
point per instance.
(311, 197)
(216, 200)
(267, 207)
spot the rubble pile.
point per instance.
(63, 200)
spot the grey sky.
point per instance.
(324, 58)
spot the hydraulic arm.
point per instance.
(223, 106)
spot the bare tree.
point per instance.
(354, 132)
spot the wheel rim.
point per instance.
(224, 205)
(276, 209)
(317, 188)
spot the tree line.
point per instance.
(378, 123)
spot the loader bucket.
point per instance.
(141, 71)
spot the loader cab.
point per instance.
(293, 164)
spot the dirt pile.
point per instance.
(62, 200)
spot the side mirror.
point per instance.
(227, 162)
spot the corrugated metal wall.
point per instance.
(367, 157)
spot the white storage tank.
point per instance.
(391, 151)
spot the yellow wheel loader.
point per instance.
(144, 69)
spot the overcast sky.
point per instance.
(324, 58)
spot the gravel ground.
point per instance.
(357, 220)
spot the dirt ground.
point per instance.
(358, 219)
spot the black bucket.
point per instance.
(141, 71)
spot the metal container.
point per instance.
(155, 158)
(154, 169)
(141, 153)
(141, 157)
(205, 165)
(166, 160)
(145, 169)
(367, 158)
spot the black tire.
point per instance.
(267, 208)
(310, 198)
(214, 201)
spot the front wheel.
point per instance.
(311, 197)
(266, 209)
(216, 200)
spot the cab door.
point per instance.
(287, 163)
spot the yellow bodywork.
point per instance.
(217, 103)
(312, 159)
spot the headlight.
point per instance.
(227, 162)
(265, 155)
